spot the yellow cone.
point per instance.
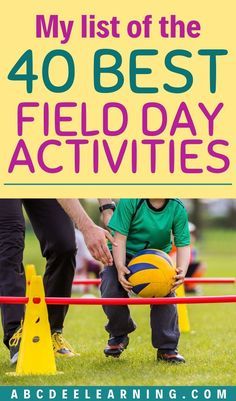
(36, 356)
(30, 272)
(184, 324)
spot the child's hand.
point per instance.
(122, 271)
(179, 279)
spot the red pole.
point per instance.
(141, 301)
(96, 281)
(13, 300)
(122, 301)
(199, 280)
(211, 280)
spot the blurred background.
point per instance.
(209, 347)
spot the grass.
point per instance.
(209, 348)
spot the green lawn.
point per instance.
(209, 348)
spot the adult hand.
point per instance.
(179, 278)
(122, 271)
(96, 240)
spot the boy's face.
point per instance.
(157, 199)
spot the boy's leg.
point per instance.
(120, 322)
(12, 278)
(165, 331)
(55, 232)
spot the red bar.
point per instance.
(211, 280)
(122, 301)
(141, 301)
(13, 300)
(87, 281)
(197, 280)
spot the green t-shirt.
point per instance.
(148, 227)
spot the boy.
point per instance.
(139, 224)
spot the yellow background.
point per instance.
(18, 34)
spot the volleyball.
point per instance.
(152, 273)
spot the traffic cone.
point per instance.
(30, 272)
(184, 324)
(36, 356)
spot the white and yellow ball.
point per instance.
(152, 273)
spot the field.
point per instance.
(209, 348)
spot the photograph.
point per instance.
(118, 251)
(106, 295)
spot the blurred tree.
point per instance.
(232, 213)
(91, 207)
(197, 215)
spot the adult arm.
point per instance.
(106, 214)
(95, 237)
